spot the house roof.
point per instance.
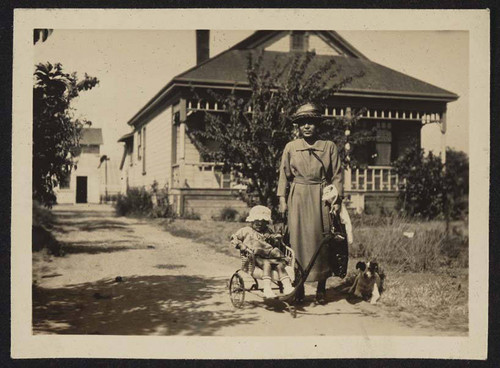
(228, 69)
(91, 136)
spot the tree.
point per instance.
(432, 189)
(56, 130)
(250, 137)
(423, 189)
(457, 184)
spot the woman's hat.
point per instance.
(259, 213)
(308, 111)
(330, 193)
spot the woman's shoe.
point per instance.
(321, 297)
(300, 294)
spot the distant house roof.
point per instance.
(126, 137)
(228, 69)
(91, 136)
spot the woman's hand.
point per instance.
(283, 206)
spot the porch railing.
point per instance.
(209, 175)
(371, 179)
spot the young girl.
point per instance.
(259, 238)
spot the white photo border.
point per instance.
(27, 345)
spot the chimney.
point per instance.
(202, 45)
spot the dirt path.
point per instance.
(167, 286)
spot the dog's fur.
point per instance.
(369, 282)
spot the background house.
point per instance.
(159, 146)
(83, 185)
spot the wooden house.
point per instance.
(83, 185)
(159, 146)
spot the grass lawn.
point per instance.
(426, 272)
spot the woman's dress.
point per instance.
(302, 178)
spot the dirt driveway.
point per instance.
(168, 286)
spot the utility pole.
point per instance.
(105, 159)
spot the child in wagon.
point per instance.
(259, 238)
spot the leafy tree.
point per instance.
(457, 184)
(432, 189)
(56, 130)
(250, 137)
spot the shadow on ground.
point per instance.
(96, 247)
(146, 305)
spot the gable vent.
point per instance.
(299, 41)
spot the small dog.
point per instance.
(368, 283)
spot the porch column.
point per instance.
(347, 179)
(443, 136)
(182, 142)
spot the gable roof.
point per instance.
(377, 79)
(260, 39)
(91, 136)
(228, 69)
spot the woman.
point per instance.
(307, 166)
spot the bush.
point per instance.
(144, 203)
(191, 215)
(431, 189)
(42, 238)
(136, 202)
(42, 216)
(227, 214)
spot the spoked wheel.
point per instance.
(237, 291)
(291, 309)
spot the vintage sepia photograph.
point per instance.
(253, 183)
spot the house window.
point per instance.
(175, 139)
(144, 151)
(139, 144)
(94, 148)
(131, 153)
(299, 41)
(65, 181)
(383, 144)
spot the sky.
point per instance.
(133, 65)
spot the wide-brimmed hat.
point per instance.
(259, 213)
(309, 111)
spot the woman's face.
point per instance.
(307, 128)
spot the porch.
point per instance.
(202, 187)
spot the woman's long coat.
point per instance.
(302, 179)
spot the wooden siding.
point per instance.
(192, 154)
(157, 151)
(158, 164)
(315, 43)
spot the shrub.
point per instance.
(228, 214)
(432, 189)
(42, 238)
(136, 202)
(141, 202)
(191, 215)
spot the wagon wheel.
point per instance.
(291, 309)
(237, 290)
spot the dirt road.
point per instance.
(168, 286)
